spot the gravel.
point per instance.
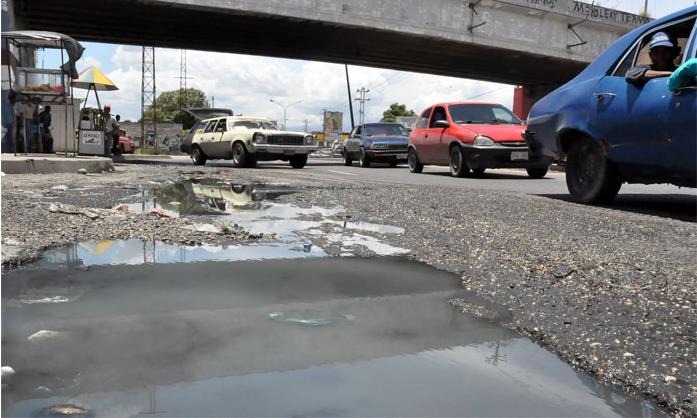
(611, 292)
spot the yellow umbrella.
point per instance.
(92, 77)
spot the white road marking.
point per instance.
(342, 172)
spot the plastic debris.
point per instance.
(42, 335)
(670, 379)
(7, 371)
(54, 299)
(60, 188)
(161, 213)
(66, 410)
(315, 322)
(81, 171)
(123, 208)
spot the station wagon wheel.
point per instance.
(198, 156)
(590, 177)
(298, 161)
(413, 159)
(364, 160)
(239, 155)
(537, 173)
(458, 166)
(347, 158)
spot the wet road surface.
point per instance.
(312, 336)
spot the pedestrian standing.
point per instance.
(45, 126)
(111, 130)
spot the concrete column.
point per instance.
(526, 96)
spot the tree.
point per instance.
(395, 110)
(170, 103)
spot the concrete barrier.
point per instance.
(35, 164)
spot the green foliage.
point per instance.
(169, 103)
(396, 109)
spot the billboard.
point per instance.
(333, 124)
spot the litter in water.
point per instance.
(311, 321)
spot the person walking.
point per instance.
(45, 126)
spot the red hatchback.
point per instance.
(471, 136)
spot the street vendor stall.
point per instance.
(91, 136)
(30, 87)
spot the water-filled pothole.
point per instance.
(302, 337)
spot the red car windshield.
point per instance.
(482, 113)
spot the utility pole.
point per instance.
(306, 125)
(183, 88)
(213, 101)
(362, 99)
(646, 7)
(148, 95)
(348, 88)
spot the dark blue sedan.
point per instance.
(379, 142)
(613, 130)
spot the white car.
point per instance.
(246, 140)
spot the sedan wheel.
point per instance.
(590, 177)
(198, 156)
(413, 159)
(239, 155)
(458, 166)
(365, 160)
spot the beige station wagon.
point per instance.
(246, 140)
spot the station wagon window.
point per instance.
(254, 124)
(357, 132)
(438, 114)
(222, 125)
(639, 54)
(210, 126)
(423, 120)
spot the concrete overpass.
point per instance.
(528, 42)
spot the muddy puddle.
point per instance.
(103, 330)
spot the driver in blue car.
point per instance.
(662, 51)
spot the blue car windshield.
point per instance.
(463, 114)
(385, 130)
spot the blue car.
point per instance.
(613, 131)
(379, 142)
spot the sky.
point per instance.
(246, 83)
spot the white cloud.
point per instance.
(245, 84)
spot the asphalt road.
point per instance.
(657, 199)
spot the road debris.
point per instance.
(72, 210)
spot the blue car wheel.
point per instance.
(590, 177)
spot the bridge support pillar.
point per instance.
(526, 96)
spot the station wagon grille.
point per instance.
(285, 140)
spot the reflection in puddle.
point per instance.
(197, 339)
(113, 252)
(253, 208)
